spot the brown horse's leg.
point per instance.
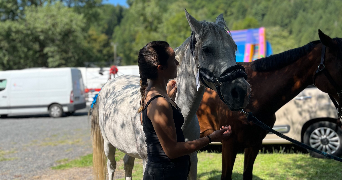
(229, 151)
(250, 156)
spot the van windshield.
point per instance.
(81, 85)
(3, 83)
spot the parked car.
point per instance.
(41, 90)
(310, 118)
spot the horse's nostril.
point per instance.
(234, 93)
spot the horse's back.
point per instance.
(120, 91)
(118, 113)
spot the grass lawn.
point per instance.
(266, 166)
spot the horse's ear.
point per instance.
(220, 21)
(325, 39)
(194, 24)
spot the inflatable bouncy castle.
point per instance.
(251, 44)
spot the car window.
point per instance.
(3, 83)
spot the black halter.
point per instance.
(228, 75)
(321, 68)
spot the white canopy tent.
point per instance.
(94, 81)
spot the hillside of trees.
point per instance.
(59, 33)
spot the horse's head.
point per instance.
(213, 50)
(328, 77)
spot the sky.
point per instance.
(115, 2)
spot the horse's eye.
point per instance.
(206, 49)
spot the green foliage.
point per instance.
(175, 27)
(14, 9)
(280, 39)
(83, 30)
(247, 23)
(49, 36)
(124, 35)
(100, 32)
(151, 20)
(139, 26)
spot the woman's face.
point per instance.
(172, 64)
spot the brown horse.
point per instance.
(274, 80)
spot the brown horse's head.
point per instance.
(328, 77)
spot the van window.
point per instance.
(3, 83)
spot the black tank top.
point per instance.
(155, 152)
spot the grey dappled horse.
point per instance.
(115, 118)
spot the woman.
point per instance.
(168, 154)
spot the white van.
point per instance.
(41, 90)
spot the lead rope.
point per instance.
(253, 119)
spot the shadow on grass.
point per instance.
(265, 149)
(307, 167)
(216, 175)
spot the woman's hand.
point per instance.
(171, 89)
(222, 134)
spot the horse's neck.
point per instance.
(188, 98)
(273, 89)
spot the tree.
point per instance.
(280, 39)
(139, 26)
(49, 36)
(247, 23)
(99, 35)
(175, 28)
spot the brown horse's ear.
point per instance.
(325, 39)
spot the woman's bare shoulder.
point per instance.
(159, 104)
(160, 113)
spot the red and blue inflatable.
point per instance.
(251, 44)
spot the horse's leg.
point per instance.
(144, 164)
(250, 156)
(193, 167)
(128, 166)
(111, 163)
(229, 151)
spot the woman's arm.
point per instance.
(160, 113)
(171, 89)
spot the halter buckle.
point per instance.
(244, 112)
(339, 93)
(217, 82)
(321, 67)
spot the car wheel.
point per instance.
(56, 110)
(324, 137)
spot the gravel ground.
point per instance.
(31, 145)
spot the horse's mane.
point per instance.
(180, 50)
(280, 60)
(339, 46)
